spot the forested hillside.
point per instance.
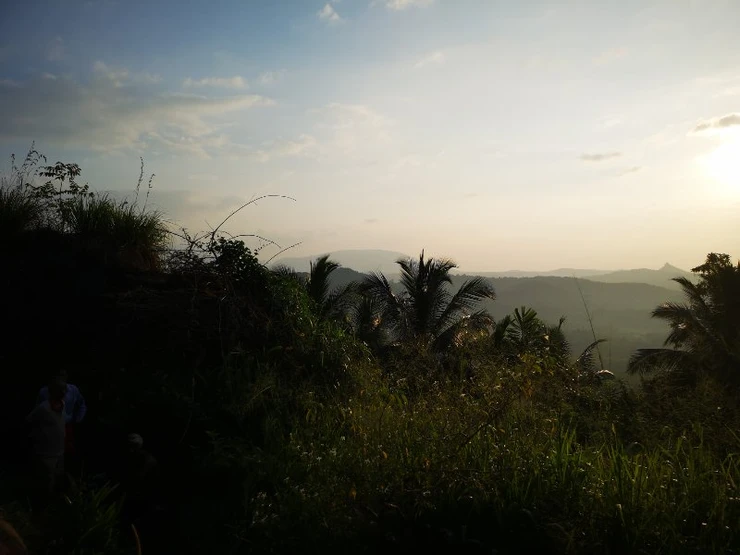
(232, 408)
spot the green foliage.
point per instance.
(705, 330)
(511, 474)
(84, 523)
(426, 313)
(19, 211)
(277, 429)
(117, 227)
(133, 237)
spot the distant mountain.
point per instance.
(560, 272)
(359, 260)
(662, 277)
(620, 311)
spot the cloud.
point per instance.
(115, 76)
(56, 50)
(432, 59)
(730, 120)
(611, 55)
(235, 82)
(329, 14)
(633, 169)
(398, 5)
(599, 156)
(103, 116)
(302, 146)
(611, 121)
(9, 83)
(271, 77)
(353, 134)
(120, 76)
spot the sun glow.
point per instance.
(723, 163)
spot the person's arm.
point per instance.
(80, 406)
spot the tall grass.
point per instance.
(511, 474)
(136, 236)
(19, 211)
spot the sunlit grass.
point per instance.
(137, 235)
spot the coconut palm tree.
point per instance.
(525, 333)
(329, 303)
(705, 330)
(425, 312)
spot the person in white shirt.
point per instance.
(47, 431)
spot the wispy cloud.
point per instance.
(302, 146)
(235, 82)
(730, 120)
(56, 50)
(633, 169)
(119, 76)
(271, 77)
(611, 55)
(610, 121)
(9, 83)
(329, 14)
(398, 5)
(115, 76)
(599, 156)
(354, 131)
(102, 116)
(434, 58)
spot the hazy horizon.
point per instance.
(528, 136)
(391, 255)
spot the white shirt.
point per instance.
(47, 430)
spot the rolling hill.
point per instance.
(361, 260)
(619, 302)
(662, 277)
(620, 311)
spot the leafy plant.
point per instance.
(705, 330)
(426, 313)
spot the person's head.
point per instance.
(57, 389)
(135, 442)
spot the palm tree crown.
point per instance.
(704, 330)
(425, 312)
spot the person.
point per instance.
(47, 434)
(75, 410)
(75, 407)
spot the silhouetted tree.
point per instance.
(425, 312)
(705, 330)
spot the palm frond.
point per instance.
(390, 306)
(500, 330)
(318, 281)
(586, 363)
(464, 329)
(465, 300)
(648, 360)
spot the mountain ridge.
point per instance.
(374, 260)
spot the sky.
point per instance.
(505, 135)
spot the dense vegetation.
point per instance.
(286, 415)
